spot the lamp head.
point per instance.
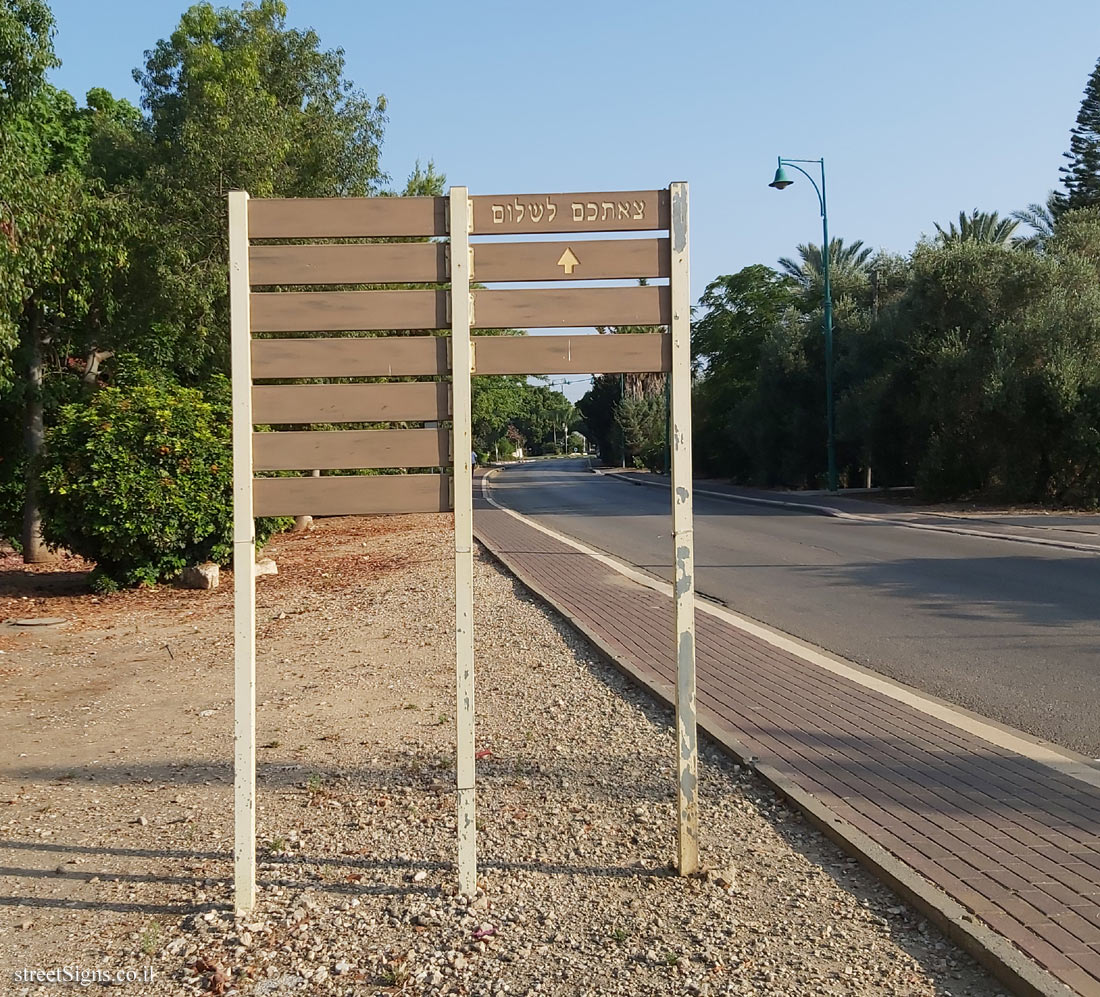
(781, 179)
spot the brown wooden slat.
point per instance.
(604, 211)
(300, 404)
(376, 356)
(351, 495)
(583, 354)
(372, 263)
(592, 259)
(351, 448)
(347, 311)
(346, 217)
(571, 307)
(399, 356)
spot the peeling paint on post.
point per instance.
(244, 564)
(683, 539)
(461, 368)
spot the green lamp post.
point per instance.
(780, 182)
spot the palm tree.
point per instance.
(978, 226)
(842, 260)
(1040, 218)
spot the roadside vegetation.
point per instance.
(969, 366)
(114, 353)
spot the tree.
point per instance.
(425, 182)
(643, 422)
(26, 53)
(956, 334)
(978, 226)
(808, 271)
(59, 251)
(235, 100)
(1081, 177)
(496, 402)
(597, 408)
(740, 310)
(1040, 218)
(112, 226)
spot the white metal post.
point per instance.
(244, 564)
(461, 369)
(683, 538)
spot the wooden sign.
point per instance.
(590, 259)
(356, 263)
(309, 305)
(429, 262)
(571, 308)
(402, 356)
(604, 211)
(346, 217)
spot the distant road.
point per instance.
(1009, 630)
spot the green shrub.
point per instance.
(139, 480)
(12, 489)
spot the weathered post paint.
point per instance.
(461, 369)
(683, 540)
(244, 565)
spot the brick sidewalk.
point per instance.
(1014, 842)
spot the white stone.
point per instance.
(266, 567)
(199, 576)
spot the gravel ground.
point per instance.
(124, 721)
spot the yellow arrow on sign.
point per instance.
(568, 261)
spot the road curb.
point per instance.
(825, 510)
(996, 953)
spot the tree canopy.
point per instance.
(978, 226)
(1081, 175)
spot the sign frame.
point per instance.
(458, 216)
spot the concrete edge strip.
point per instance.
(1001, 957)
(1075, 767)
(825, 510)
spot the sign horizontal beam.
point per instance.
(346, 217)
(371, 311)
(427, 262)
(301, 404)
(370, 263)
(348, 311)
(605, 211)
(583, 354)
(351, 495)
(571, 308)
(351, 448)
(400, 356)
(372, 356)
(591, 259)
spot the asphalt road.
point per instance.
(1009, 630)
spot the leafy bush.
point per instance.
(139, 480)
(11, 498)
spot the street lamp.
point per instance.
(781, 182)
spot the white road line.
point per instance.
(1077, 767)
(869, 518)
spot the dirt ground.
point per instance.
(116, 803)
(117, 790)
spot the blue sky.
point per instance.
(920, 109)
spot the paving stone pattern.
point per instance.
(1013, 841)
